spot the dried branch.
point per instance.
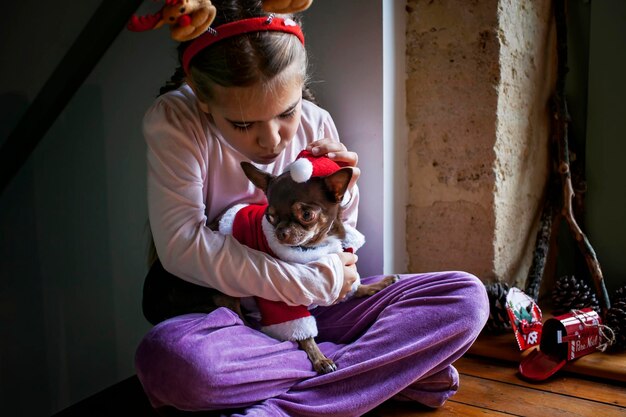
(542, 248)
(560, 136)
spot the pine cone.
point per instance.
(498, 317)
(569, 293)
(616, 320)
(620, 294)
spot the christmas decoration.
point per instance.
(308, 165)
(570, 293)
(498, 317)
(616, 321)
(565, 338)
(525, 317)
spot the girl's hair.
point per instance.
(242, 60)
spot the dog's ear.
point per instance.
(259, 178)
(337, 183)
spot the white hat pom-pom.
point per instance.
(301, 170)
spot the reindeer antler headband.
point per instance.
(238, 27)
(191, 20)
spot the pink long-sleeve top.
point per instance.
(194, 175)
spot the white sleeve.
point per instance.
(187, 248)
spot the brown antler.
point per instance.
(187, 19)
(286, 6)
(147, 22)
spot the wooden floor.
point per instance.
(594, 386)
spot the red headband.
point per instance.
(238, 27)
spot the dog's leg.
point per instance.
(321, 363)
(371, 289)
(233, 303)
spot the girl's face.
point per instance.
(258, 121)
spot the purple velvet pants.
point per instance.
(398, 343)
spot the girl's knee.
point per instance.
(458, 298)
(473, 301)
(178, 367)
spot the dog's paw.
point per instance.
(367, 291)
(371, 289)
(324, 366)
(390, 279)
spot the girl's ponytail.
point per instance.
(307, 94)
(175, 81)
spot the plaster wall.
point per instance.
(477, 144)
(527, 76)
(453, 71)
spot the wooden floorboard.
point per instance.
(609, 365)
(566, 384)
(491, 386)
(526, 401)
(494, 389)
(450, 409)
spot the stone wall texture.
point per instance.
(479, 77)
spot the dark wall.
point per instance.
(606, 138)
(595, 91)
(73, 220)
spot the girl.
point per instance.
(244, 99)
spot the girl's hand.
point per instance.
(337, 152)
(350, 274)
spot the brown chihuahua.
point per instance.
(301, 222)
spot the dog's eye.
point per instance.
(271, 218)
(308, 216)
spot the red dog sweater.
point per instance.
(249, 226)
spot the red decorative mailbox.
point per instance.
(571, 335)
(564, 338)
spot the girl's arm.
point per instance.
(187, 248)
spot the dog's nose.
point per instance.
(282, 234)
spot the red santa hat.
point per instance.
(308, 165)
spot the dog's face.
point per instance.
(303, 214)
